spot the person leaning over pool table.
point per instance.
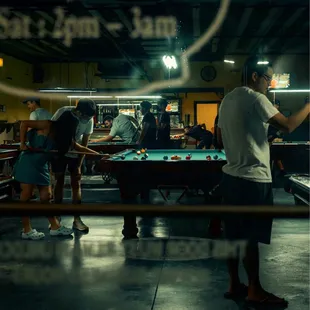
(124, 126)
(244, 116)
(201, 134)
(84, 113)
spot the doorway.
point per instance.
(205, 112)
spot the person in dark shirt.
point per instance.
(148, 134)
(215, 142)
(163, 131)
(202, 135)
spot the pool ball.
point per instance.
(215, 157)
(143, 158)
(146, 155)
(189, 154)
(135, 158)
(165, 157)
(138, 153)
(188, 157)
(143, 151)
(208, 157)
(123, 157)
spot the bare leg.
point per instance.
(59, 187)
(45, 198)
(233, 270)
(77, 199)
(251, 265)
(25, 196)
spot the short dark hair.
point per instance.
(86, 107)
(32, 99)
(146, 105)
(251, 66)
(163, 102)
(108, 118)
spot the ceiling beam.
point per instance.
(241, 27)
(124, 19)
(264, 28)
(289, 23)
(120, 49)
(196, 22)
(288, 44)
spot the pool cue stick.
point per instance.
(70, 152)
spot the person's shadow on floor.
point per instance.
(244, 305)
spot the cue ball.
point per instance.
(138, 153)
(165, 157)
(215, 157)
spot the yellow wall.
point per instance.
(81, 75)
(189, 99)
(19, 74)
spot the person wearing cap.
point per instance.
(36, 112)
(84, 113)
(148, 135)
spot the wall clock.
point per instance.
(208, 73)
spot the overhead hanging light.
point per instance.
(67, 90)
(170, 62)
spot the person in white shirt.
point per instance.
(244, 117)
(124, 126)
(84, 112)
(36, 112)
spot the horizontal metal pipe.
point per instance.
(37, 209)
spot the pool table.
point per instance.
(7, 160)
(300, 188)
(138, 176)
(293, 154)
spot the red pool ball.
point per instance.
(188, 157)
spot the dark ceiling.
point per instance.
(251, 26)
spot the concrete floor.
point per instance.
(97, 271)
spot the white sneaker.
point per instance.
(33, 235)
(61, 231)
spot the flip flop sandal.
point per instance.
(242, 292)
(270, 300)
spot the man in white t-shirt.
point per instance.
(244, 117)
(36, 112)
(84, 112)
(123, 126)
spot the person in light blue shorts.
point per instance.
(32, 167)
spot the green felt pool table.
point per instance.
(138, 176)
(158, 168)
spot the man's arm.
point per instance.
(145, 128)
(219, 138)
(289, 124)
(104, 139)
(269, 114)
